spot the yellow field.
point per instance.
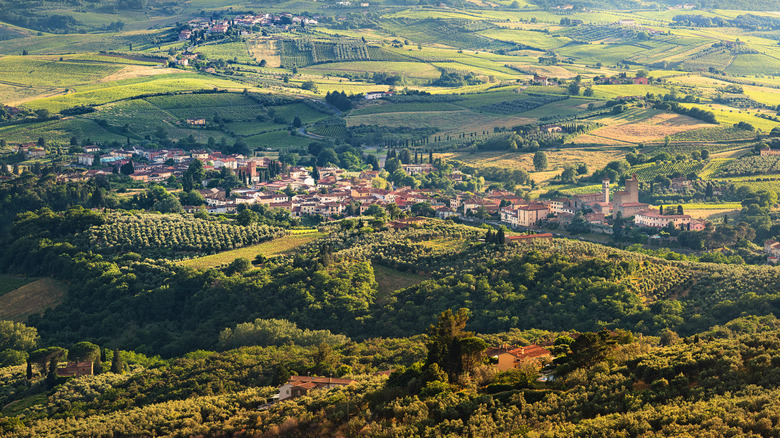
(594, 158)
(265, 48)
(630, 131)
(32, 298)
(282, 245)
(712, 213)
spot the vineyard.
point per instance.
(714, 167)
(755, 165)
(647, 172)
(169, 235)
(450, 32)
(304, 52)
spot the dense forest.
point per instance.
(608, 383)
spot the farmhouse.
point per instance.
(299, 386)
(510, 358)
(371, 95)
(541, 80)
(76, 369)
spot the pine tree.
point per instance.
(117, 367)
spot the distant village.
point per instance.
(245, 23)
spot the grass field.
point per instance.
(391, 280)
(237, 51)
(31, 298)
(282, 245)
(9, 283)
(593, 157)
(102, 93)
(712, 214)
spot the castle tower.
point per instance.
(632, 187)
(605, 187)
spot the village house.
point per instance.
(525, 216)
(414, 169)
(772, 249)
(85, 159)
(35, 152)
(541, 80)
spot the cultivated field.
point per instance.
(282, 245)
(31, 298)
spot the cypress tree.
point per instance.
(51, 377)
(500, 237)
(29, 370)
(117, 367)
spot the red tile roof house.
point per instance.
(298, 386)
(510, 358)
(75, 369)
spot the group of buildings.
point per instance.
(598, 210)
(245, 22)
(337, 192)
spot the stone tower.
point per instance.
(632, 187)
(605, 187)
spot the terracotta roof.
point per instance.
(529, 352)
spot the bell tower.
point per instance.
(605, 187)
